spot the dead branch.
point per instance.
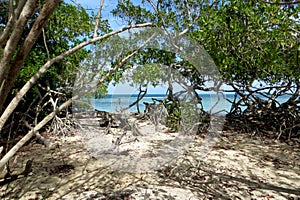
(98, 18)
(49, 117)
(39, 137)
(15, 101)
(14, 15)
(15, 36)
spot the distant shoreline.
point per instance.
(202, 95)
(160, 95)
(115, 102)
(132, 95)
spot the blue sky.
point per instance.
(126, 89)
(93, 6)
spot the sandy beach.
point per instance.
(156, 163)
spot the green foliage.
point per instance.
(131, 13)
(149, 73)
(250, 40)
(67, 27)
(174, 115)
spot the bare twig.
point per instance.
(141, 95)
(11, 21)
(15, 36)
(1, 88)
(43, 140)
(98, 18)
(45, 43)
(42, 123)
(15, 101)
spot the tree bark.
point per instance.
(98, 19)
(15, 101)
(41, 124)
(13, 16)
(34, 33)
(11, 45)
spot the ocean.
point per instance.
(115, 102)
(210, 102)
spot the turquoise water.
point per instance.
(114, 103)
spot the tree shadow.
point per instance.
(236, 167)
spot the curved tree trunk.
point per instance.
(49, 117)
(13, 104)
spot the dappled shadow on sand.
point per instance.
(237, 167)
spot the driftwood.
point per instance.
(116, 120)
(157, 114)
(107, 119)
(104, 118)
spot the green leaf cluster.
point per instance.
(251, 40)
(67, 27)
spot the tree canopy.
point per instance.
(56, 55)
(254, 44)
